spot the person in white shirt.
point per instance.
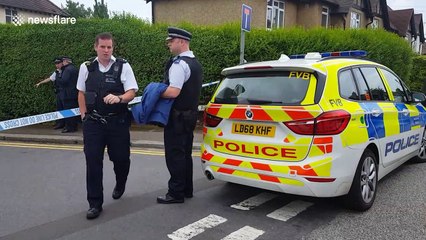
(106, 84)
(59, 124)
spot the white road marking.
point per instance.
(254, 201)
(290, 210)
(197, 227)
(244, 233)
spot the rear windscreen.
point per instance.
(265, 88)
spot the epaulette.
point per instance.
(177, 60)
(121, 60)
(89, 64)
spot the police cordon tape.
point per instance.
(52, 116)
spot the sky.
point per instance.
(136, 7)
(143, 10)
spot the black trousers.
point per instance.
(59, 107)
(115, 136)
(70, 123)
(178, 142)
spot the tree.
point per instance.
(77, 10)
(100, 10)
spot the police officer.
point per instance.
(56, 75)
(106, 84)
(184, 75)
(66, 83)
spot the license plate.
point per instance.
(253, 129)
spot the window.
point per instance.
(347, 85)
(375, 24)
(355, 20)
(275, 14)
(10, 13)
(375, 84)
(395, 86)
(266, 88)
(324, 17)
(362, 86)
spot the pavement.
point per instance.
(146, 136)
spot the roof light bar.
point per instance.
(355, 53)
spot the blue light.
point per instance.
(297, 56)
(326, 54)
(345, 53)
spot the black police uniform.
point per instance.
(66, 83)
(105, 125)
(178, 133)
(60, 123)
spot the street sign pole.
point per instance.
(245, 27)
(242, 45)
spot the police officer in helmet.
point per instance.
(106, 84)
(184, 75)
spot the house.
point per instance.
(409, 26)
(272, 14)
(418, 45)
(11, 10)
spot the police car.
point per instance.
(319, 124)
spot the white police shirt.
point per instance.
(53, 77)
(180, 72)
(127, 77)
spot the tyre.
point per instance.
(364, 185)
(421, 155)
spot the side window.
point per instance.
(362, 86)
(375, 83)
(347, 87)
(395, 86)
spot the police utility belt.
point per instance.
(103, 119)
(93, 114)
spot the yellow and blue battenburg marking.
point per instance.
(422, 115)
(377, 125)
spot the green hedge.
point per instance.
(27, 52)
(417, 80)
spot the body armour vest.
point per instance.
(191, 89)
(103, 84)
(58, 76)
(67, 81)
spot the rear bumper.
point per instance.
(299, 178)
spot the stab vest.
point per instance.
(103, 84)
(58, 76)
(191, 89)
(67, 82)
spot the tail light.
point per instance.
(328, 123)
(210, 120)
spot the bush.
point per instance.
(27, 53)
(417, 80)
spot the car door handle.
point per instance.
(376, 112)
(405, 112)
